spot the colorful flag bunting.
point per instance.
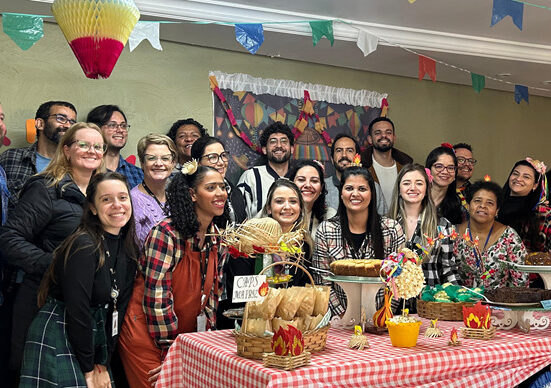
(367, 42)
(521, 93)
(251, 36)
(145, 30)
(502, 8)
(24, 30)
(427, 66)
(321, 28)
(478, 81)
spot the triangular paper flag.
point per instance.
(131, 159)
(24, 30)
(521, 93)
(145, 30)
(321, 28)
(427, 66)
(478, 81)
(502, 8)
(367, 42)
(251, 36)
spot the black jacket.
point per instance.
(43, 218)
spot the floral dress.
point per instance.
(490, 272)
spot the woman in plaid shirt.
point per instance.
(356, 232)
(181, 269)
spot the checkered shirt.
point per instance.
(19, 165)
(132, 173)
(329, 247)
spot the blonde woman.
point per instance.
(48, 211)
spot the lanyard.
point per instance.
(113, 271)
(479, 259)
(148, 190)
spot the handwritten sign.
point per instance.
(249, 288)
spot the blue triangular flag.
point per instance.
(251, 36)
(521, 93)
(502, 8)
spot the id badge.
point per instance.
(201, 322)
(115, 323)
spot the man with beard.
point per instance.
(381, 158)
(343, 150)
(277, 144)
(465, 165)
(52, 120)
(112, 121)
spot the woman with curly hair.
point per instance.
(180, 271)
(308, 175)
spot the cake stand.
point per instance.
(360, 293)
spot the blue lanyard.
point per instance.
(479, 259)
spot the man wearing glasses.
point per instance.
(112, 121)
(465, 166)
(52, 120)
(277, 144)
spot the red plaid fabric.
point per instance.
(209, 360)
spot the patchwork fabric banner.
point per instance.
(252, 104)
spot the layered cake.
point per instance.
(352, 267)
(517, 295)
(538, 258)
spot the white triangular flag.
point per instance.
(367, 42)
(145, 30)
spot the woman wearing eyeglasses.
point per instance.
(442, 164)
(49, 210)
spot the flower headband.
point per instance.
(540, 168)
(427, 171)
(190, 167)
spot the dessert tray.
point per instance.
(353, 279)
(543, 270)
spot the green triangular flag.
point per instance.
(321, 28)
(24, 30)
(478, 82)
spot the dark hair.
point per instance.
(524, 218)
(374, 231)
(345, 135)
(320, 207)
(198, 147)
(101, 114)
(189, 121)
(181, 206)
(463, 145)
(276, 127)
(450, 207)
(377, 120)
(43, 110)
(488, 186)
(90, 225)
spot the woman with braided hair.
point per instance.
(180, 268)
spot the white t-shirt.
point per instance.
(387, 178)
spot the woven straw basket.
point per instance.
(250, 346)
(441, 310)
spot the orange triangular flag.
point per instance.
(427, 66)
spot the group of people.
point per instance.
(105, 263)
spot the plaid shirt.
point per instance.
(19, 165)
(164, 248)
(440, 267)
(543, 243)
(329, 247)
(132, 173)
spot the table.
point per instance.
(209, 359)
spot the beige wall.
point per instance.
(155, 88)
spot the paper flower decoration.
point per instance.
(190, 167)
(97, 31)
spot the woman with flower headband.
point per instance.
(356, 232)
(485, 242)
(285, 204)
(526, 207)
(181, 269)
(308, 175)
(413, 208)
(442, 164)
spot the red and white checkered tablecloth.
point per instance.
(209, 359)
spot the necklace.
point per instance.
(148, 190)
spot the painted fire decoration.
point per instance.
(288, 342)
(97, 31)
(477, 316)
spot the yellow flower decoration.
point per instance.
(190, 167)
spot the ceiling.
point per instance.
(457, 33)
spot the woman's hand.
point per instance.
(89, 377)
(101, 377)
(154, 375)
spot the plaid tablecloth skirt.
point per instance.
(49, 360)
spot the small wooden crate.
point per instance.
(286, 362)
(452, 311)
(483, 334)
